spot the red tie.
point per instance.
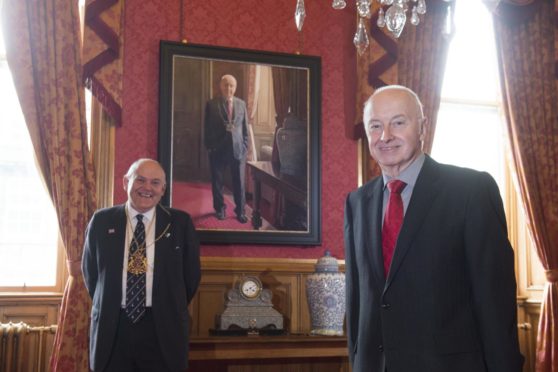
(392, 221)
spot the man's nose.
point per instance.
(386, 133)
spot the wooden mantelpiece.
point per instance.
(267, 347)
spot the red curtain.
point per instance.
(43, 52)
(525, 37)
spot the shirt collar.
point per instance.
(132, 213)
(410, 174)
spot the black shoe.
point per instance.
(221, 215)
(242, 218)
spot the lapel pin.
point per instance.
(111, 231)
(167, 235)
(177, 247)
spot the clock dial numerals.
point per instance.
(250, 288)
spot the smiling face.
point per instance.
(228, 86)
(394, 127)
(145, 185)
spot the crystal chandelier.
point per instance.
(392, 15)
(393, 18)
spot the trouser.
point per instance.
(219, 161)
(136, 347)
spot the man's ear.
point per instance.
(423, 127)
(125, 183)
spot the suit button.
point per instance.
(381, 347)
(386, 306)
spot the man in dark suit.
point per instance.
(440, 294)
(141, 267)
(226, 140)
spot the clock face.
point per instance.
(250, 287)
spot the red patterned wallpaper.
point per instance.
(251, 24)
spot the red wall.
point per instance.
(251, 24)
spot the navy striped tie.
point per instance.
(135, 283)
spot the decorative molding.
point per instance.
(283, 265)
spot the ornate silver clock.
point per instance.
(249, 307)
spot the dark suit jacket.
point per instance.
(176, 276)
(449, 303)
(215, 133)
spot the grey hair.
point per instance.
(420, 109)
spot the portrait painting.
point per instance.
(239, 139)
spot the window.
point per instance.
(471, 130)
(31, 253)
(470, 116)
(29, 248)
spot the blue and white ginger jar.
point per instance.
(325, 291)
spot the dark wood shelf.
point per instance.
(267, 347)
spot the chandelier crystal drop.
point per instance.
(300, 14)
(421, 7)
(338, 4)
(393, 14)
(381, 22)
(363, 8)
(395, 19)
(361, 37)
(415, 20)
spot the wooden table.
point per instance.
(291, 188)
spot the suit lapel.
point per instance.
(117, 232)
(235, 109)
(372, 209)
(162, 239)
(222, 107)
(424, 193)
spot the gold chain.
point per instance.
(137, 261)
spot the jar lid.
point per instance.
(327, 264)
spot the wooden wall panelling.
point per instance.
(34, 310)
(40, 310)
(208, 302)
(528, 323)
